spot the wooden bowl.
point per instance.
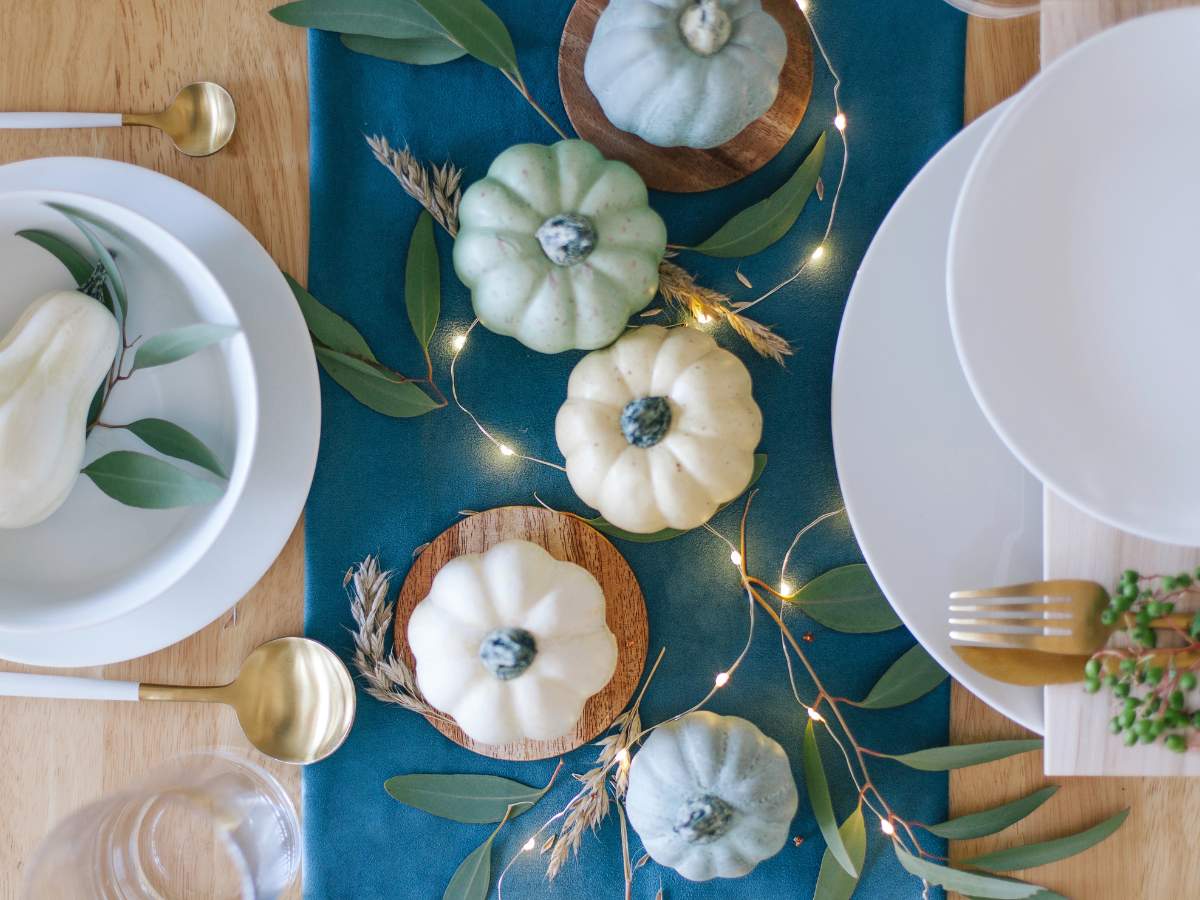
(682, 169)
(565, 538)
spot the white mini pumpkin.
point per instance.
(559, 246)
(689, 73)
(512, 642)
(659, 429)
(711, 796)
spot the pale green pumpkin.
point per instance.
(559, 246)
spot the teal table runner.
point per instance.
(387, 486)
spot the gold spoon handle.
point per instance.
(182, 693)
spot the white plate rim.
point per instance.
(286, 454)
(1005, 123)
(996, 694)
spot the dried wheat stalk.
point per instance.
(680, 289)
(387, 676)
(437, 188)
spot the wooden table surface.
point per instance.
(107, 55)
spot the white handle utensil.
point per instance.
(59, 120)
(62, 687)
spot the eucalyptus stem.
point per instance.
(519, 83)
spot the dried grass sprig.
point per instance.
(437, 188)
(680, 289)
(387, 676)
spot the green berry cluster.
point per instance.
(1151, 692)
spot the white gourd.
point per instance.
(51, 363)
(659, 429)
(711, 796)
(559, 246)
(512, 642)
(689, 73)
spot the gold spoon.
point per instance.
(199, 121)
(294, 698)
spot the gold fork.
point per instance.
(1064, 617)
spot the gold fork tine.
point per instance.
(1059, 587)
(1044, 643)
(988, 608)
(1020, 615)
(1013, 623)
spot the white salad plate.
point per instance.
(94, 559)
(935, 499)
(285, 396)
(1074, 284)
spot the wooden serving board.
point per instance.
(566, 538)
(1078, 546)
(682, 169)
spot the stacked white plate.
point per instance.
(1025, 316)
(98, 582)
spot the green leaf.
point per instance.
(989, 821)
(940, 759)
(475, 28)
(472, 880)
(1046, 852)
(381, 390)
(403, 19)
(913, 675)
(822, 805)
(602, 524)
(77, 264)
(327, 326)
(431, 50)
(179, 343)
(171, 440)
(79, 219)
(847, 599)
(759, 226)
(147, 482)
(473, 799)
(833, 882)
(970, 883)
(423, 281)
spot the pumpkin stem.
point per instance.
(706, 27)
(703, 819)
(567, 239)
(507, 652)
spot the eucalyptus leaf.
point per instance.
(941, 759)
(759, 226)
(602, 524)
(473, 799)
(431, 50)
(79, 219)
(1030, 856)
(147, 482)
(472, 880)
(423, 281)
(986, 887)
(327, 326)
(822, 804)
(77, 264)
(473, 26)
(833, 882)
(179, 343)
(381, 390)
(171, 440)
(847, 599)
(913, 675)
(990, 821)
(379, 18)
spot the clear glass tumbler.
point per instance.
(208, 826)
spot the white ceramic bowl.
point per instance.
(95, 559)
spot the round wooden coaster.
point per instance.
(565, 538)
(682, 169)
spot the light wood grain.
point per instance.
(1152, 855)
(683, 169)
(119, 55)
(566, 538)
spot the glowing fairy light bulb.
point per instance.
(623, 757)
(506, 450)
(818, 253)
(803, 4)
(458, 341)
(722, 679)
(735, 558)
(815, 716)
(703, 318)
(785, 587)
(527, 846)
(887, 827)
(839, 121)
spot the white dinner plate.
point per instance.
(287, 396)
(935, 499)
(94, 559)
(1074, 276)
